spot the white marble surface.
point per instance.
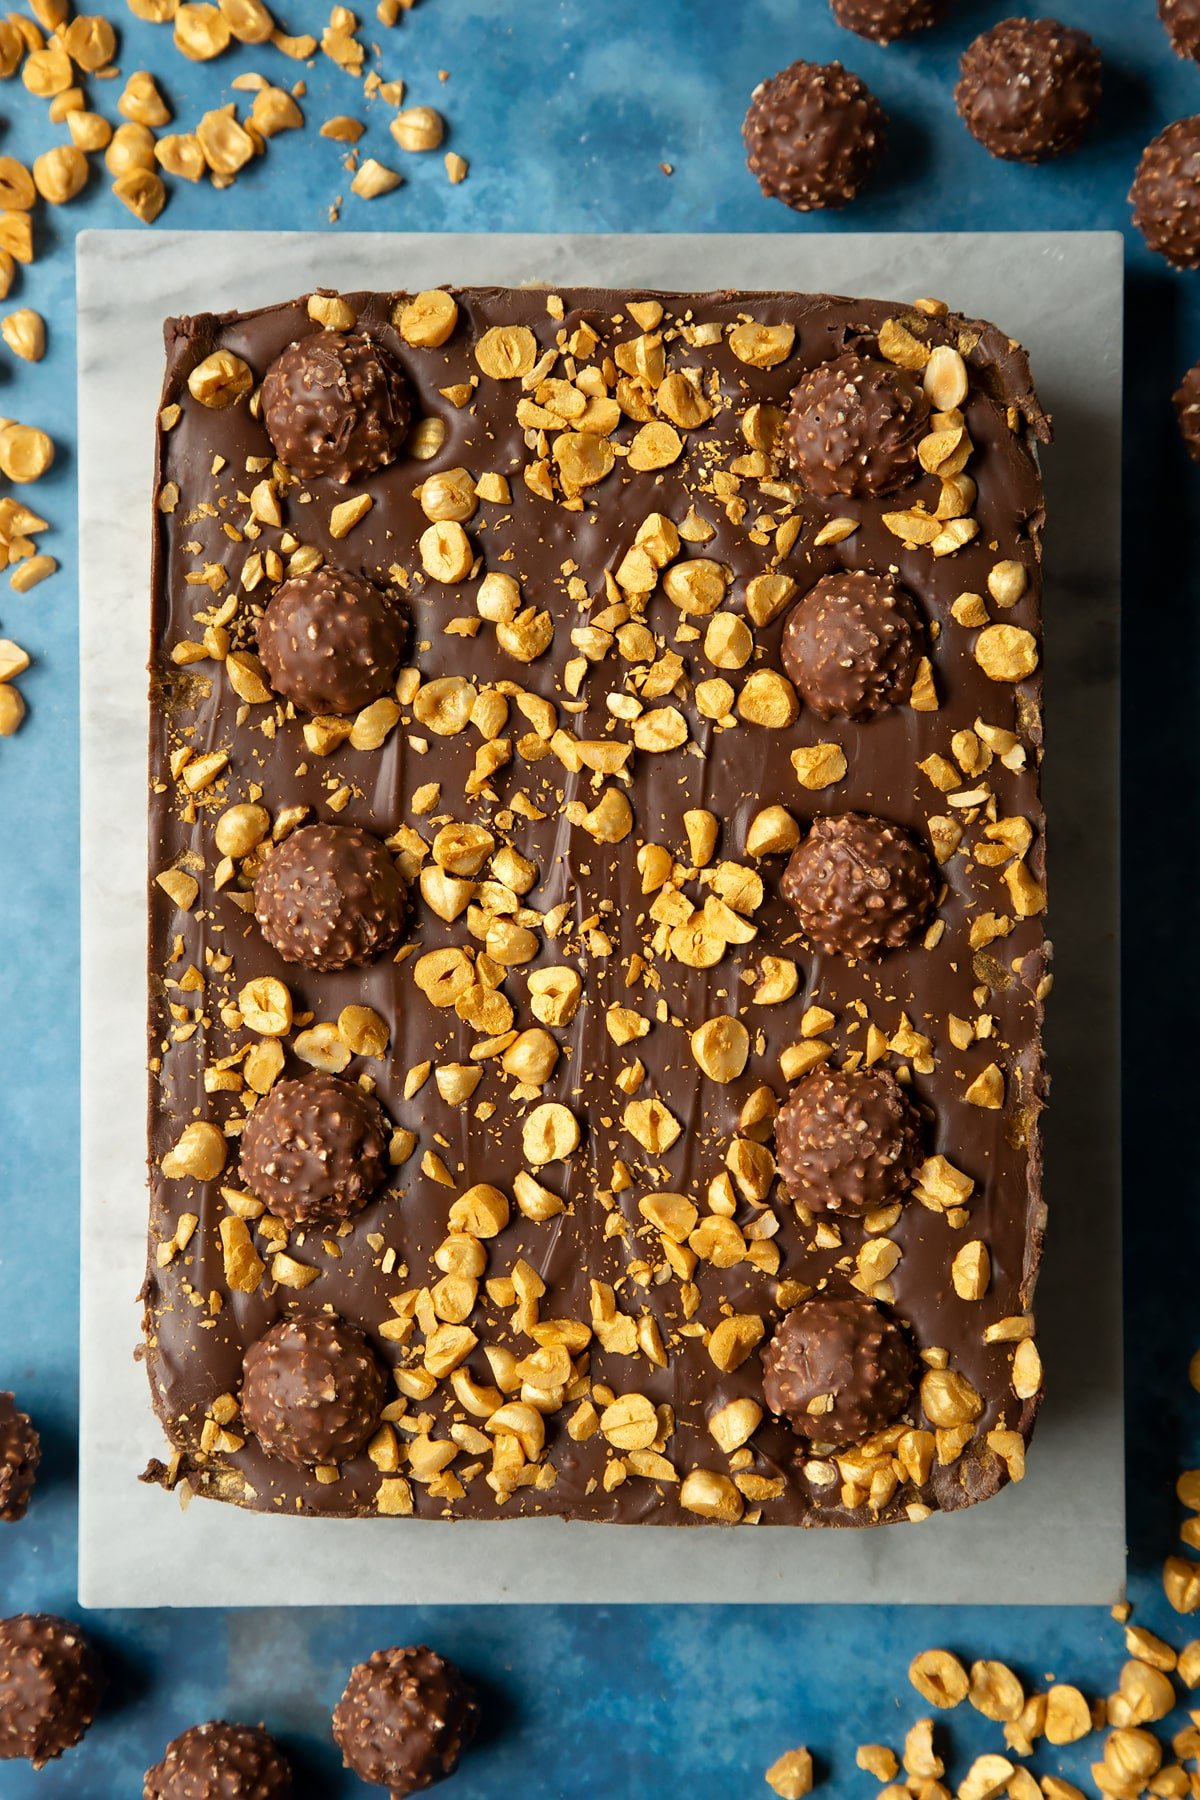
(1058, 1537)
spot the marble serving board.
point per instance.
(1058, 1537)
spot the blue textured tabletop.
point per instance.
(567, 114)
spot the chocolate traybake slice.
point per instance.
(597, 877)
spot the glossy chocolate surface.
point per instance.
(941, 1013)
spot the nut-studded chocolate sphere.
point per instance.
(886, 20)
(837, 1370)
(813, 135)
(1029, 88)
(312, 1390)
(330, 897)
(20, 1454)
(861, 885)
(853, 427)
(315, 1150)
(1187, 408)
(330, 641)
(852, 644)
(50, 1686)
(1166, 193)
(220, 1762)
(404, 1720)
(1182, 20)
(335, 403)
(848, 1141)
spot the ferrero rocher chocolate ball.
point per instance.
(335, 403)
(1029, 88)
(20, 1454)
(331, 641)
(1182, 20)
(848, 1141)
(220, 1762)
(852, 643)
(861, 885)
(837, 1370)
(1187, 408)
(886, 20)
(814, 134)
(50, 1686)
(312, 1390)
(1166, 193)
(315, 1150)
(330, 897)
(853, 427)
(405, 1719)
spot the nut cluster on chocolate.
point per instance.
(1029, 88)
(597, 951)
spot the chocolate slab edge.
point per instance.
(584, 1336)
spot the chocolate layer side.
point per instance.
(591, 773)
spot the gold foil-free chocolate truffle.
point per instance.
(853, 427)
(852, 644)
(315, 1150)
(861, 885)
(330, 641)
(1182, 20)
(330, 897)
(405, 1719)
(887, 20)
(1187, 409)
(20, 1454)
(1029, 88)
(848, 1141)
(220, 1762)
(1165, 195)
(50, 1687)
(837, 1370)
(335, 403)
(312, 1390)
(814, 134)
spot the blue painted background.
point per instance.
(566, 112)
